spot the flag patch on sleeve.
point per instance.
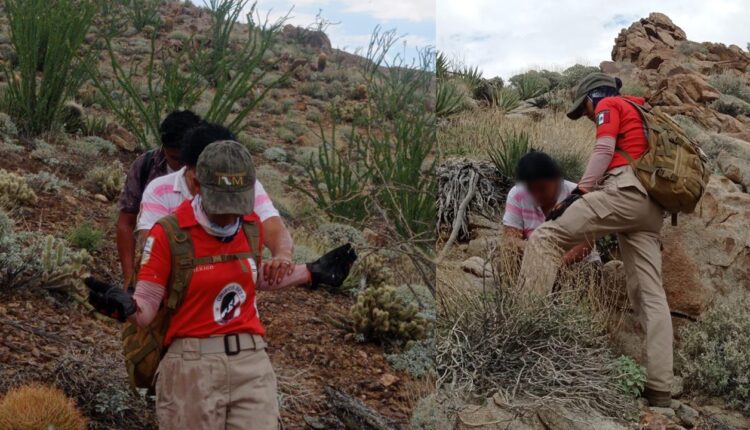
(602, 117)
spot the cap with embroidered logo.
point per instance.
(588, 83)
(226, 174)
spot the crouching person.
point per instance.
(196, 295)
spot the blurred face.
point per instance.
(173, 157)
(588, 108)
(544, 191)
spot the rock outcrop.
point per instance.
(708, 252)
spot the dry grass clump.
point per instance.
(542, 350)
(471, 134)
(35, 406)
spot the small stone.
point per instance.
(687, 415)
(388, 379)
(276, 154)
(101, 197)
(667, 412)
(476, 266)
(678, 386)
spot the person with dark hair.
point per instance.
(148, 166)
(540, 188)
(164, 195)
(611, 199)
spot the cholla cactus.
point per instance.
(380, 315)
(370, 271)
(60, 265)
(107, 180)
(14, 191)
(322, 61)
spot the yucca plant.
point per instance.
(530, 84)
(505, 99)
(507, 151)
(142, 13)
(48, 45)
(471, 76)
(449, 99)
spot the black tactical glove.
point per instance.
(332, 268)
(109, 300)
(560, 208)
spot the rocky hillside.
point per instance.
(64, 184)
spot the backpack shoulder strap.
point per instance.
(183, 260)
(252, 233)
(148, 162)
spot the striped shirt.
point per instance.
(523, 213)
(164, 195)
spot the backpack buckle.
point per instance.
(227, 349)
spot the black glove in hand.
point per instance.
(109, 300)
(332, 268)
(560, 208)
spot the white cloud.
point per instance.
(410, 10)
(503, 38)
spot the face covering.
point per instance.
(210, 227)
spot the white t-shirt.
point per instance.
(164, 194)
(523, 213)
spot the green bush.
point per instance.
(507, 151)
(731, 84)
(85, 236)
(7, 126)
(47, 182)
(530, 84)
(47, 42)
(573, 74)
(92, 146)
(107, 180)
(449, 99)
(142, 13)
(418, 360)
(630, 376)
(689, 48)
(505, 99)
(631, 89)
(714, 355)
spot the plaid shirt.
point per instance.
(132, 192)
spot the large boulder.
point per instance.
(708, 252)
(648, 42)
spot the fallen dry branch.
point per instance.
(355, 415)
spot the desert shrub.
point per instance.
(92, 125)
(731, 84)
(549, 348)
(631, 376)
(30, 260)
(731, 105)
(47, 182)
(107, 180)
(37, 406)
(380, 315)
(286, 135)
(689, 48)
(142, 13)
(336, 234)
(573, 74)
(530, 84)
(86, 236)
(370, 270)
(7, 126)
(46, 153)
(92, 146)
(471, 77)
(14, 190)
(505, 99)
(313, 89)
(507, 151)
(714, 357)
(449, 98)
(423, 416)
(418, 360)
(47, 40)
(229, 72)
(313, 115)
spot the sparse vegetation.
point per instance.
(714, 356)
(731, 84)
(142, 13)
(507, 151)
(530, 84)
(47, 44)
(107, 180)
(14, 190)
(731, 105)
(85, 236)
(33, 407)
(380, 315)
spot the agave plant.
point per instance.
(505, 99)
(506, 153)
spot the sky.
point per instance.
(505, 37)
(414, 20)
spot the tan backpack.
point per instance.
(144, 347)
(674, 169)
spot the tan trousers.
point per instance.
(212, 391)
(620, 206)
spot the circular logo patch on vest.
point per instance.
(228, 302)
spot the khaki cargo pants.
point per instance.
(619, 206)
(216, 391)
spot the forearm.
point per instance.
(576, 254)
(148, 297)
(277, 238)
(604, 149)
(126, 245)
(299, 276)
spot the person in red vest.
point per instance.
(215, 373)
(611, 199)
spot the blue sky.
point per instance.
(507, 37)
(413, 19)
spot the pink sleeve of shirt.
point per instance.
(264, 207)
(153, 207)
(148, 297)
(604, 149)
(513, 216)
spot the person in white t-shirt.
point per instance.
(164, 195)
(540, 188)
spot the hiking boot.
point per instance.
(658, 399)
(332, 268)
